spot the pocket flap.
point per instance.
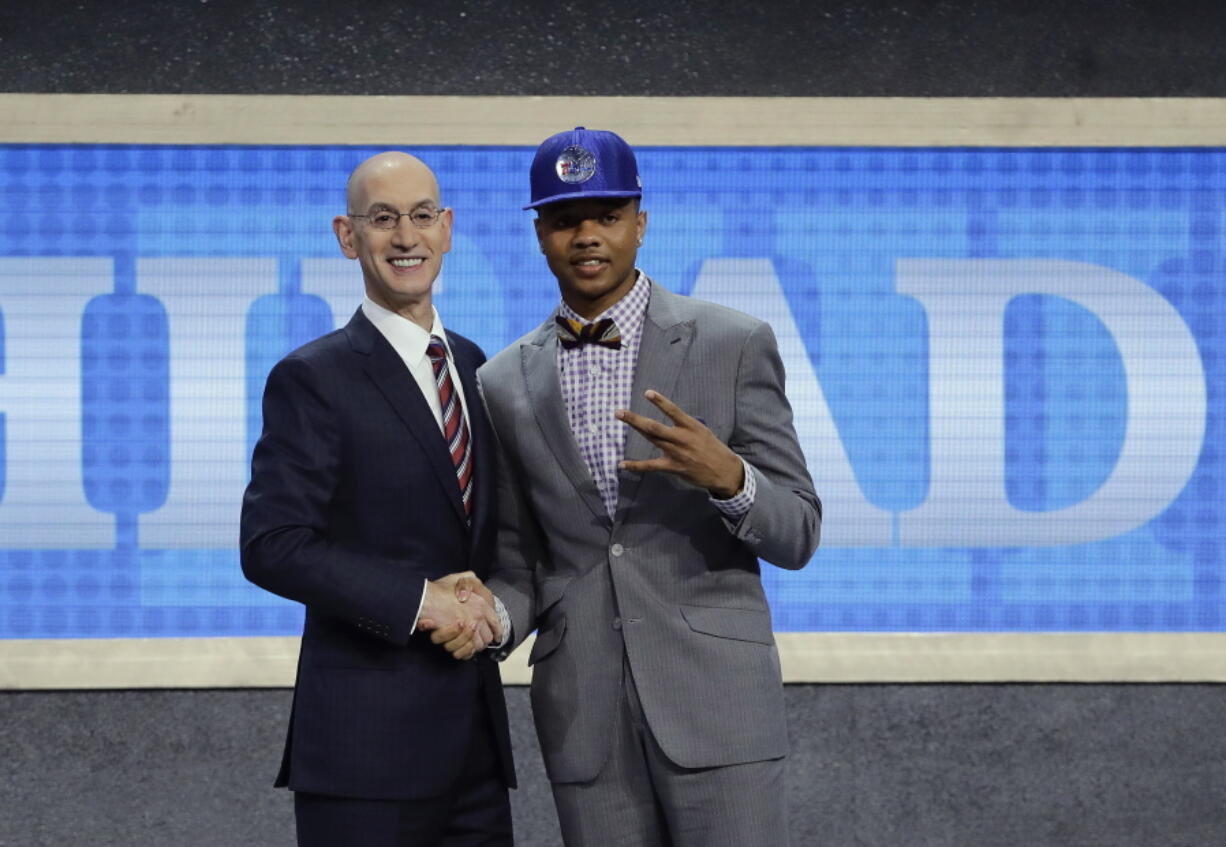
(549, 591)
(547, 641)
(740, 624)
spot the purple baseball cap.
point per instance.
(583, 163)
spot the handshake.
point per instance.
(458, 612)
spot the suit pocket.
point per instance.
(547, 641)
(549, 591)
(738, 624)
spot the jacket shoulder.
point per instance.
(466, 346)
(506, 361)
(712, 316)
(319, 350)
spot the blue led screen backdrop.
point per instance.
(1005, 367)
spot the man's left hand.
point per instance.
(461, 639)
(687, 448)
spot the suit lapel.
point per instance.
(663, 346)
(390, 376)
(539, 360)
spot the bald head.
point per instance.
(392, 166)
(398, 231)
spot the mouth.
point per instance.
(589, 265)
(406, 264)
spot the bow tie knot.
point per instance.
(572, 333)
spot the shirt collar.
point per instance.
(627, 313)
(407, 338)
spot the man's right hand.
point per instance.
(459, 610)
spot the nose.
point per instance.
(405, 234)
(587, 233)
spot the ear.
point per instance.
(641, 225)
(445, 220)
(539, 226)
(345, 236)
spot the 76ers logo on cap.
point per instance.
(575, 165)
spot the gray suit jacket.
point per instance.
(669, 577)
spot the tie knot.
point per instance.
(436, 349)
(572, 333)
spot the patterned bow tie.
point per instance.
(572, 333)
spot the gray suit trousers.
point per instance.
(642, 799)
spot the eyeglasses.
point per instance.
(423, 217)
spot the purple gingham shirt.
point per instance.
(596, 382)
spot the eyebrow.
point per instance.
(379, 207)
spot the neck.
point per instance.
(424, 318)
(420, 312)
(591, 309)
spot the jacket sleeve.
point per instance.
(783, 526)
(520, 548)
(286, 546)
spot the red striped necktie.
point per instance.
(455, 428)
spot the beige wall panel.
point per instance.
(719, 121)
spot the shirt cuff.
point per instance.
(504, 623)
(425, 584)
(738, 505)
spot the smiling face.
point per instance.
(399, 265)
(590, 245)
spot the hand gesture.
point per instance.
(687, 449)
(459, 610)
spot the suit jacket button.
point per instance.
(617, 549)
(617, 623)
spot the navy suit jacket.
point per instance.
(352, 504)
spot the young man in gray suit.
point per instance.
(647, 462)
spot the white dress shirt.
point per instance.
(410, 341)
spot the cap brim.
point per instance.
(558, 198)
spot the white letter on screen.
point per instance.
(965, 301)
(42, 300)
(206, 303)
(751, 286)
(337, 281)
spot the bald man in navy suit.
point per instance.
(371, 495)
